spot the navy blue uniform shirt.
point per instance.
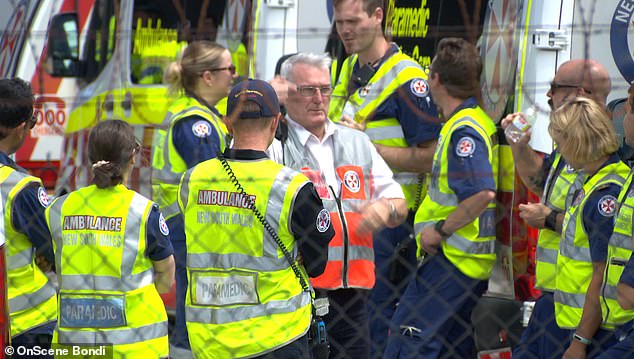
(28, 214)
(159, 245)
(598, 217)
(196, 139)
(468, 165)
(411, 104)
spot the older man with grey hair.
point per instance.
(356, 187)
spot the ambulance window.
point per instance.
(162, 29)
(101, 37)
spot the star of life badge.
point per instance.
(42, 196)
(419, 87)
(163, 225)
(607, 205)
(351, 181)
(323, 221)
(466, 147)
(201, 129)
(365, 90)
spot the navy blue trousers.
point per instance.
(542, 338)
(395, 260)
(437, 303)
(179, 337)
(347, 323)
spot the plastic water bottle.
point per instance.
(521, 124)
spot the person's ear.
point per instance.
(378, 13)
(208, 77)
(276, 120)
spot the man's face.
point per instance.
(310, 111)
(356, 29)
(562, 88)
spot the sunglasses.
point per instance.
(555, 86)
(231, 69)
(310, 91)
(32, 121)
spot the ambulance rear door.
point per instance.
(270, 29)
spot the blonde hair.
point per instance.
(183, 75)
(585, 128)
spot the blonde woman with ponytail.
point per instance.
(192, 132)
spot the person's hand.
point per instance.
(374, 217)
(576, 350)
(534, 214)
(506, 121)
(349, 122)
(430, 240)
(280, 85)
(44, 265)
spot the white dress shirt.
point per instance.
(383, 183)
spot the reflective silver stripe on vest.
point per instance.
(620, 240)
(546, 255)
(574, 300)
(354, 253)
(461, 243)
(213, 315)
(406, 178)
(99, 283)
(184, 192)
(20, 259)
(171, 210)
(610, 291)
(117, 337)
(30, 300)
(360, 252)
(274, 209)
(235, 260)
(384, 133)
(128, 281)
(376, 87)
(433, 191)
(571, 251)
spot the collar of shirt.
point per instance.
(5, 159)
(244, 154)
(471, 102)
(304, 135)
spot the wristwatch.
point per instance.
(438, 228)
(581, 339)
(551, 220)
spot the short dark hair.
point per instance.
(111, 145)
(368, 5)
(459, 66)
(16, 102)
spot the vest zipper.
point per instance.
(344, 225)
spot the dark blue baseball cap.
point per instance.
(254, 91)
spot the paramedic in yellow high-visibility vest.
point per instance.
(618, 292)
(556, 181)
(113, 255)
(455, 224)
(231, 247)
(585, 137)
(32, 298)
(385, 93)
(192, 132)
